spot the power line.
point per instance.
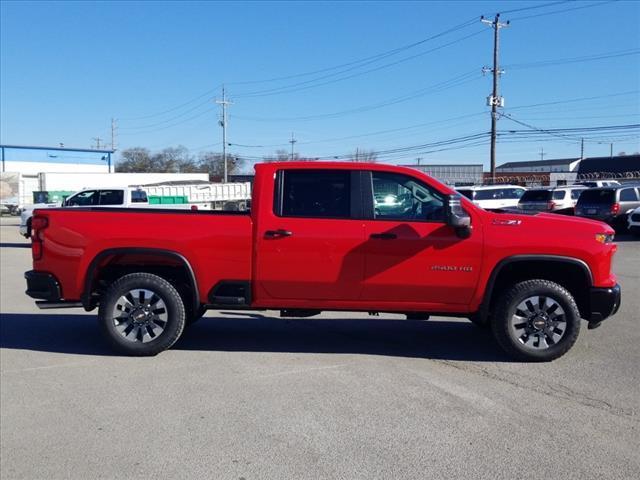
(296, 87)
(436, 88)
(564, 10)
(376, 57)
(157, 114)
(564, 61)
(533, 7)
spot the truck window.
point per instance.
(83, 199)
(400, 197)
(316, 193)
(138, 196)
(111, 197)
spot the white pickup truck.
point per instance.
(127, 197)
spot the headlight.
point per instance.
(604, 237)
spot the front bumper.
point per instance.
(42, 286)
(604, 302)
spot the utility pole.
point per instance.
(581, 148)
(97, 140)
(611, 151)
(292, 142)
(542, 154)
(494, 100)
(113, 139)
(223, 124)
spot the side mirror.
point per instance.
(456, 217)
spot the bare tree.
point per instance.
(280, 156)
(135, 159)
(213, 164)
(362, 155)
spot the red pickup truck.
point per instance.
(329, 236)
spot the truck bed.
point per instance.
(216, 244)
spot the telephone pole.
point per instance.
(292, 142)
(494, 100)
(98, 140)
(542, 154)
(113, 134)
(223, 123)
(581, 148)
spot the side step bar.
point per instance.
(45, 305)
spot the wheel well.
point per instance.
(573, 276)
(108, 267)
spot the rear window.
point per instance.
(558, 195)
(111, 197)
(536, 196)
(597, 196)
(628, 195)
(316, 193)
(138, 196)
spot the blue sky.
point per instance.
(157, 67)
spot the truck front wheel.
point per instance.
(141, 314)
(536, 320)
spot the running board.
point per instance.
(45, 305)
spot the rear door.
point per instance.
(309, 246)
(412, 256)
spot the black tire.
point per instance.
(173, 315)
(549, 347)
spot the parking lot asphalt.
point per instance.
(347, 396)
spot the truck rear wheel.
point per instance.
(141, 314)
(536, 321)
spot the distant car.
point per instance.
(599, 183)
(609, 204)
(554, 200)
(493, 197)
(634, 222)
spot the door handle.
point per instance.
(383, 236)
(277, 233)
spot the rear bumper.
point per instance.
(604, 302)
(42, 286)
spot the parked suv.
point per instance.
(634, 222)
(556, 200)
(609, 204)
(493, 197)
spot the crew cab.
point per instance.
(315, 240)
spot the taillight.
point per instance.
(194, 207)
(38, 224)
(615, 208)
(551, 205)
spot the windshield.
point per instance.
(597, 196)
(536, 196)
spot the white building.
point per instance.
(541, 166)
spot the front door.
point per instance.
(412, 256)
(310, 246)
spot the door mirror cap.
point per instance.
(456, 216)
